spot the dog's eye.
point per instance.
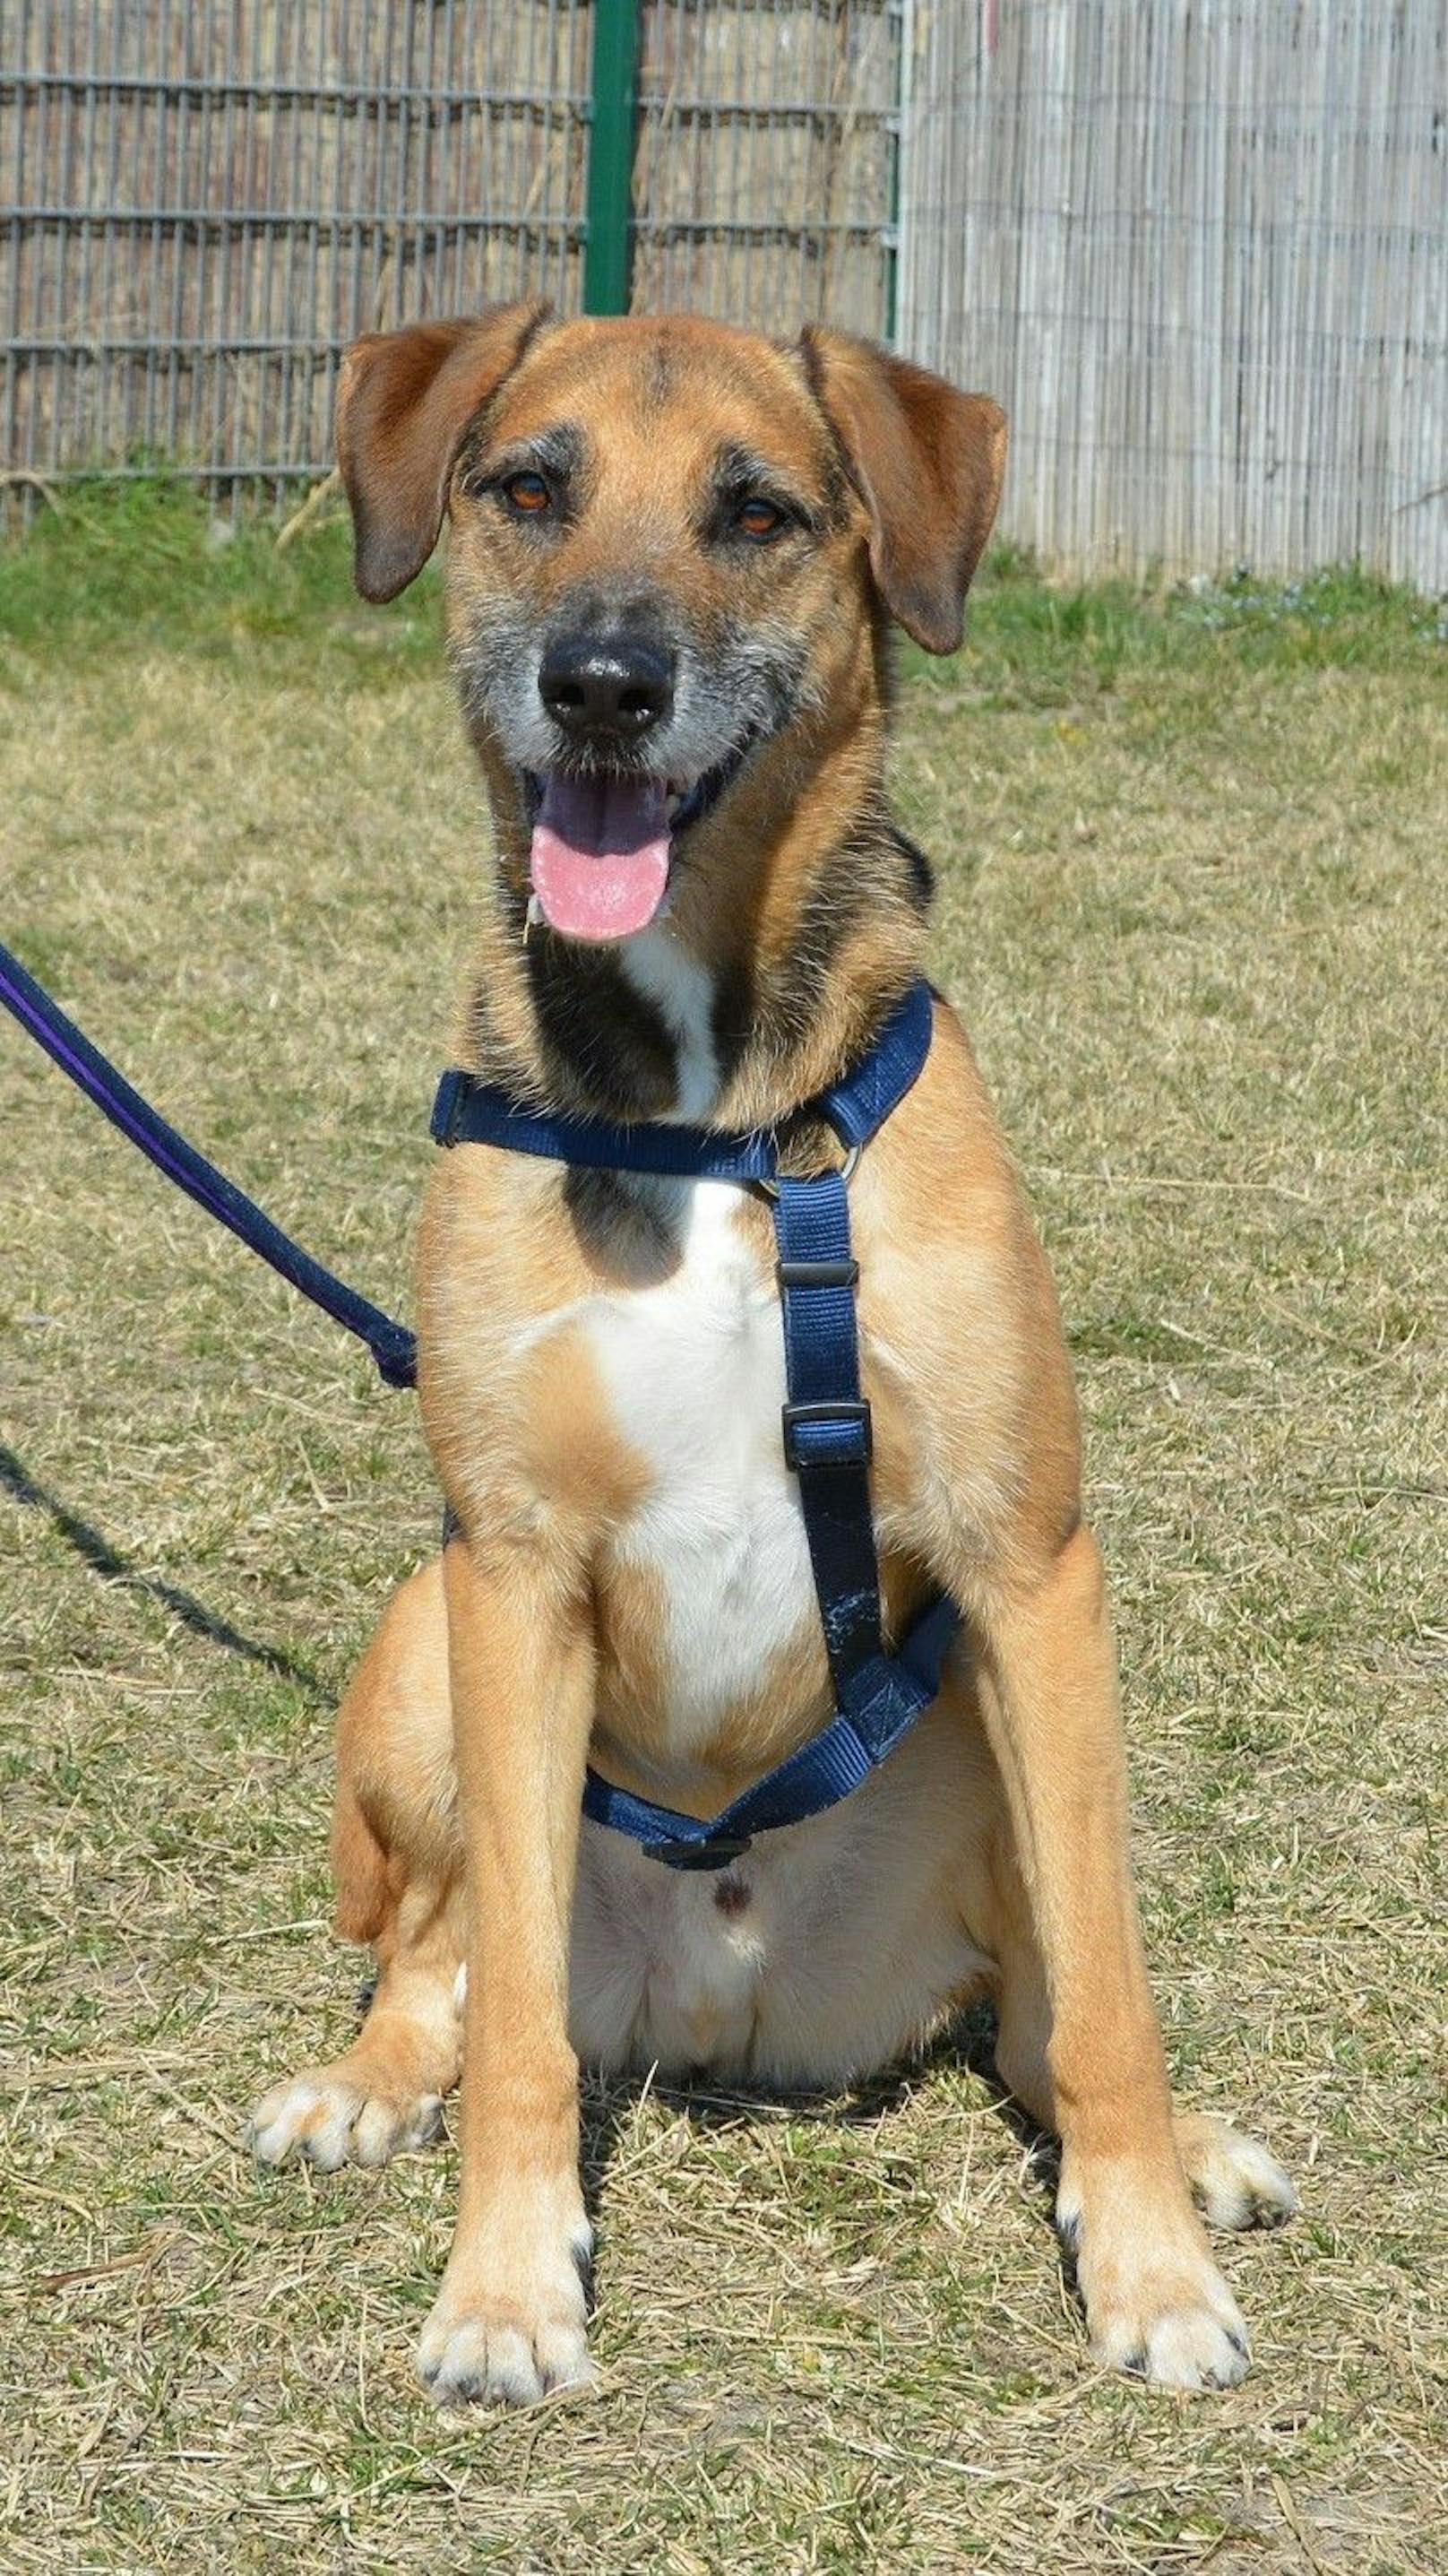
(758, 518)
(528, 494)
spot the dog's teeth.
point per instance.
(535, 911)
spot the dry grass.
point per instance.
(1192, 888)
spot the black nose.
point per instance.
(605, 688)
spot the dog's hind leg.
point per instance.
(1235, 2183)
(398, 1877)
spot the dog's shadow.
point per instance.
(107, 1562)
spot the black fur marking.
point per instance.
(922, 874)
(608, 1041)
(732, 1019)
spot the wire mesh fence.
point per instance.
(1199, 248)
(206, 199)
(203, 201)
(1200, 252)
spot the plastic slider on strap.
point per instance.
(818, 1274)
(836, 1434)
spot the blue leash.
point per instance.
(392, 1346)
(826, 1427)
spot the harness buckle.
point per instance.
(717, 1852)
(851, 1414)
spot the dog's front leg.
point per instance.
(1155, 2302)
(508, 2323)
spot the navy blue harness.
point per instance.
(826, 1425)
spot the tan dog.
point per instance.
(673, 544)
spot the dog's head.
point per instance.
(670, 539)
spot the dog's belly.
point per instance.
(826, 1952)
(694, 1375)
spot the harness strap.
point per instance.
(392, 1346)
(827, 1439)
(827, 1443)
(469, 1112)
(818, 1776)
(826, 1426)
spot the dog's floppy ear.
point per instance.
(403, 405)
(927, 462)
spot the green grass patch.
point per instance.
(150, 564)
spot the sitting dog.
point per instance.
(675, 551)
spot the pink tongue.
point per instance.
(601, 855)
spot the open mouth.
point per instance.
(600, 856)
(603, 843)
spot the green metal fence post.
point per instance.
(608, 246)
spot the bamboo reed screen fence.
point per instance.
(1199, 248)
(209, 198)
(766, 165)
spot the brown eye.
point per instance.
(758, 519)
(528, 494)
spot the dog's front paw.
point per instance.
(329, 2121)
(509, 2333)
(1156, 2306)
(1175, 2326)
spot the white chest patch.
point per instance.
(695, 1376)
(694, 1371)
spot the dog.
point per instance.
(675, 553)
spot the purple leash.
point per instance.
(392, 1346)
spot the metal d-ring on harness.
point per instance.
(826, 1428)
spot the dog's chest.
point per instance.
(693, 1373)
